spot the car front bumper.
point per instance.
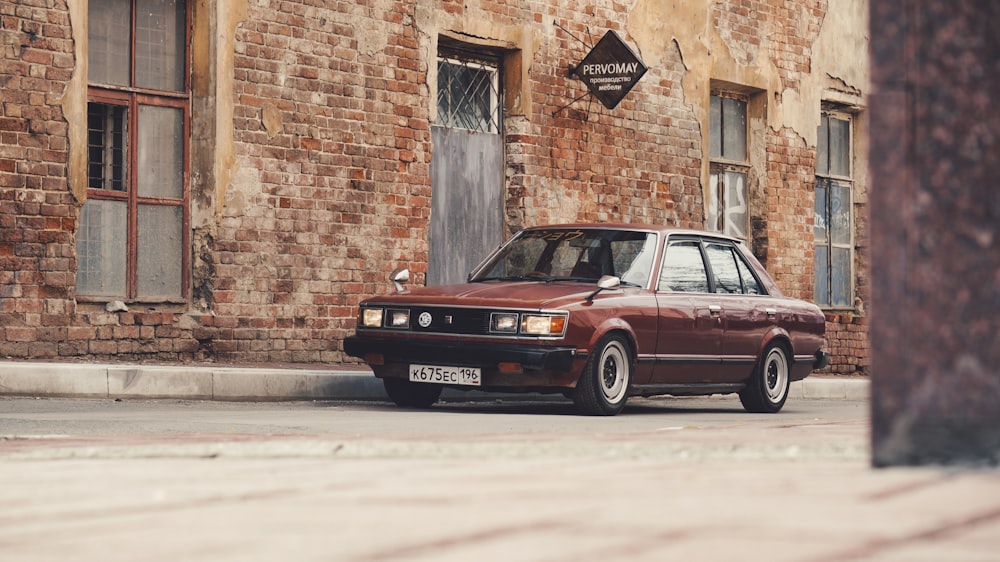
(376, 350)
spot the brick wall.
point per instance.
(331, 183)
(37, 212)
(580, 162)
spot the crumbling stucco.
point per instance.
(74, 102)
(712, 55)
(476, 28)
(213, 147)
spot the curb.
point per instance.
(200, 382)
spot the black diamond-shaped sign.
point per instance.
(610, 70)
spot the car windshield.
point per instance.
(573, 254)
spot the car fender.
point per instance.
(612, 325)
(776, 334)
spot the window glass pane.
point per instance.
(565, 258)
(840, 286)
(840, 147)
(468, 96)
(161, 152)
(160, 44)
(840, 213)
(821, 269)
(750, 284)
(106, 135)
(520, 257)
(715, 127)
(108, 52)
(101, 249)
(712, 212)
(727, 277)
(683, 269)
(159, 255)
(822, 146)
(736, 205)
(734, 134)
(820, 218)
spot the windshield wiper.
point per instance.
(592, 280)
(536, 277)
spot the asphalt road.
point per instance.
(532, 414)
(670, 479)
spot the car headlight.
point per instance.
(504, 322)
(371, 317)
(399, 318)
(543, 324)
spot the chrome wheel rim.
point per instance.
(775, 375)
(614, 373)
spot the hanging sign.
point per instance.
(610, 70)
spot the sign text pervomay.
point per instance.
(610, 70)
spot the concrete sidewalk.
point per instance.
(246, 383)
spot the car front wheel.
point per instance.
(768, 387)
(412, 394)
(603, 387)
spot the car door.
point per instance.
(689, 331)
(745, 316)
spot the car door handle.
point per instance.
(714, 309)
(771, 312)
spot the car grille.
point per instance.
(449, 320)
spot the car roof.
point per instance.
(665, 230)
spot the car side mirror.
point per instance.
(605, 282)
(398, 277)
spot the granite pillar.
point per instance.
(935, 231)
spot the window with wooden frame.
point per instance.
(727, 205)
(833, 222)
(133, 229)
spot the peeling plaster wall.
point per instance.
(310, 151)
(74, 102)
(213, 147)
(710, 52)
(475, 27)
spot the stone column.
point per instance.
(935, 231)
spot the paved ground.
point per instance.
(695, 479)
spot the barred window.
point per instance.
(468, 94)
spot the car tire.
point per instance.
(408, 394)
(604, 385)
(768, 387)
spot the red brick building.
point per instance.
(198, 180)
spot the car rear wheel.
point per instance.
(603, 387)
(768, 387)
(412, 394)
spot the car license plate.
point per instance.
(468, 376)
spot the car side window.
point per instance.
(751, 285)
(727, 276)
(683, 268)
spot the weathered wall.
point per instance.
(37, 211)
(309, 169)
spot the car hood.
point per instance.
(495, 294)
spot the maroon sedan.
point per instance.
(598, 313)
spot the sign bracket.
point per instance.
(609, 71)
